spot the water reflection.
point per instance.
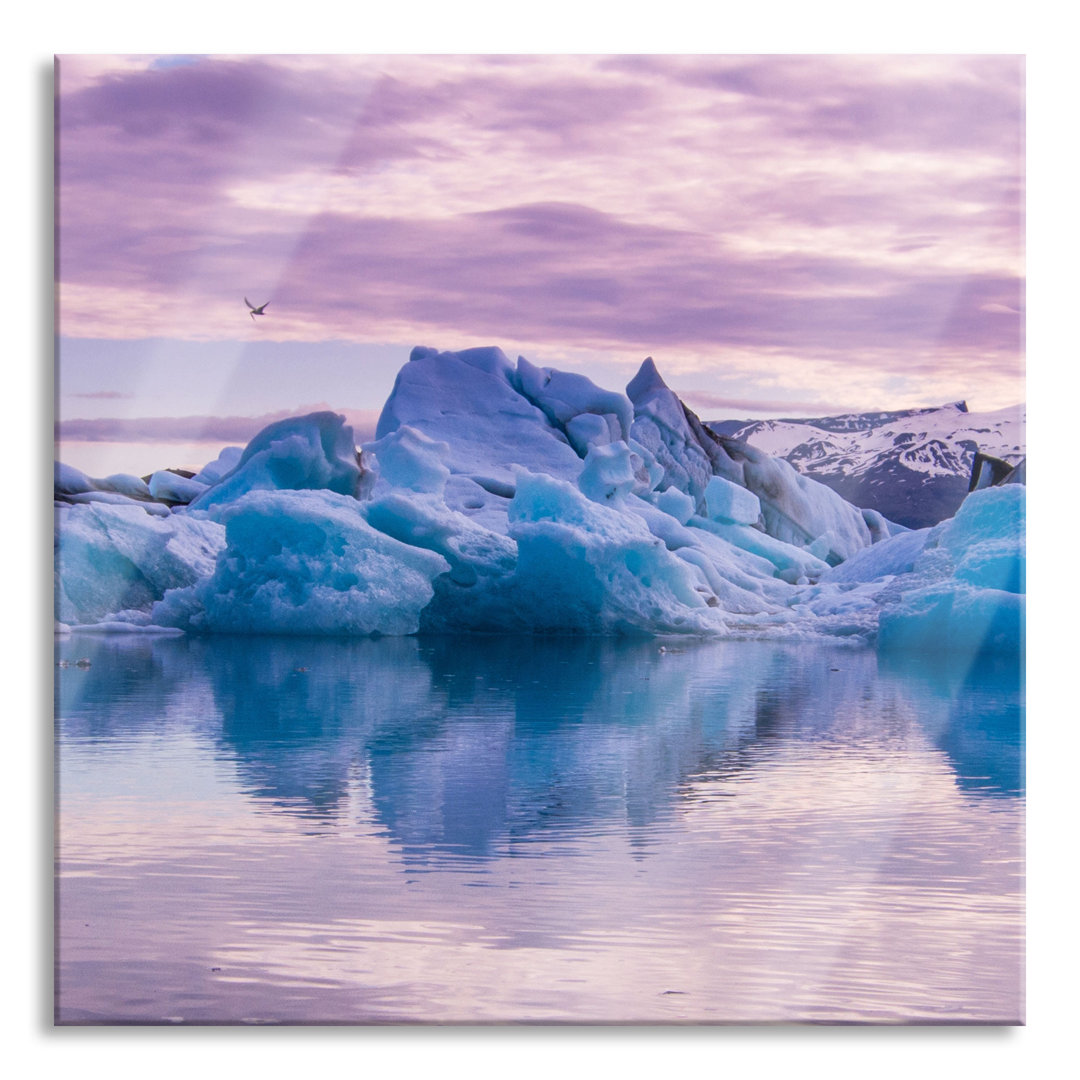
(978, 720)
(476, 746)
(498, 829)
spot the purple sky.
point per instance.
(783, 234)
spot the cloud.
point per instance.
(215, 429)
(103, 395)
(864, 210)
(921, 103)
(774, 407)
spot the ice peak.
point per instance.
(645, 381)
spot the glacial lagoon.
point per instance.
(547, 830)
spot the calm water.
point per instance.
(436, 830)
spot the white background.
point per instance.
(34, 34)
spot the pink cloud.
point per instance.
(210, 429)
(773, 407)
(863, 210)
(104, 395)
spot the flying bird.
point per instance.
(255, 310)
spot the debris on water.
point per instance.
(83, 662)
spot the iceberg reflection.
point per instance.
(479, 746)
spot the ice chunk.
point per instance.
(725, 501)
(789, 561)
(954, 617)
(676, 503)
(895, 555)
(881, 528)
(992, 514)
(473, 594)
(306, 562)
(69, 481)
(986, 539)
(799, 510)
(299, 453)
(116, 499)
(115, 557)
(587, 567)
(221, 466)
(608, 475)
(407, 458)
(995, 564)
(133, 487)
(469, 401)
(588, 429)
(794, 509)
(72, 486)
(734, 579)
(567, 396)
(688, 454)
(966, 586)
(166, 486)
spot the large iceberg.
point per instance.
(510, 498)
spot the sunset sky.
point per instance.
(785, 235)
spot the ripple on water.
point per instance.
(567, 831)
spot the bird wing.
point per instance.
(249, 303)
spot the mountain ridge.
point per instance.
(912, 465)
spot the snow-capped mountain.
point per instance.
(913, 466)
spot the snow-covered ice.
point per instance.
(510, 498)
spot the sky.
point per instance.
(786, 235)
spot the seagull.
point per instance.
(256, 310)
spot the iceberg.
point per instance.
(315, 452)
(725, 501)
(118, 558)
(470, 401)
(589, 567)
(305, 563)
(510, 498)
(968, 582)
(224, 463)
(171, 487)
